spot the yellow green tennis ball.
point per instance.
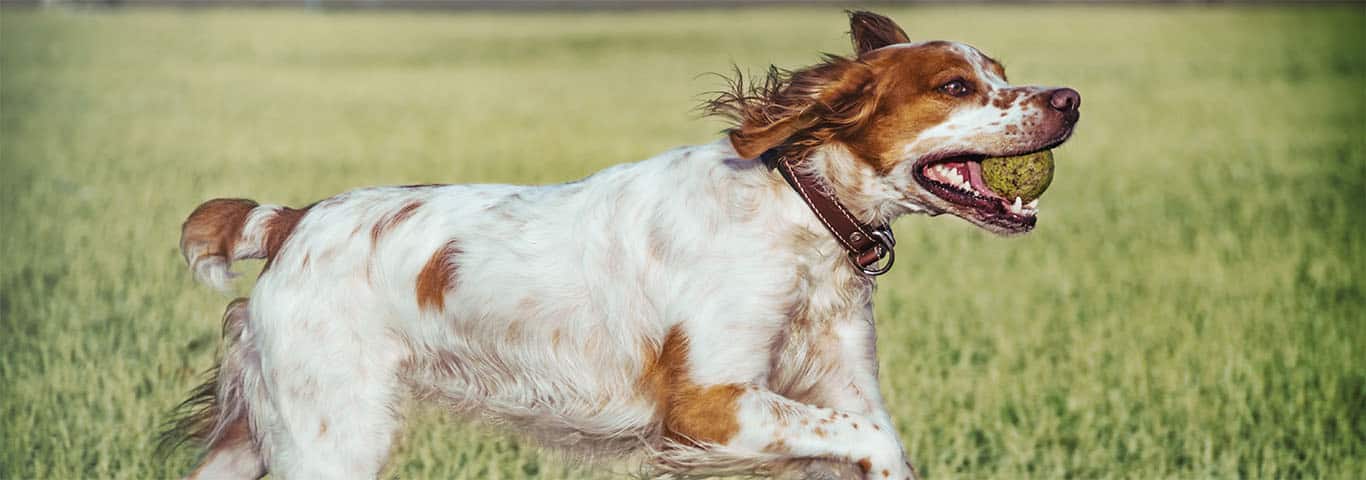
(1025, 176)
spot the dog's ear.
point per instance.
(829, 96)
(870, 31)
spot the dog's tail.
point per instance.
(222, 230)
(217, 414)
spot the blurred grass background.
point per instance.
(1190, 306)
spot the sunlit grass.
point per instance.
(1190, 305)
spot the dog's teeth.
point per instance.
(1017, 206)
(1033, 204)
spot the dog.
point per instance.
(709, 309)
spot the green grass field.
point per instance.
(1190, 306)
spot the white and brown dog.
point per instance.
(709, 308)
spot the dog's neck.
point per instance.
(855, 184)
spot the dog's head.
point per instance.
(915, 118)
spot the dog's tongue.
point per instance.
(975, 178)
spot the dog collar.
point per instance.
(867, 245)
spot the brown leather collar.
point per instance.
(867, 245)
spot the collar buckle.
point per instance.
(884, 248)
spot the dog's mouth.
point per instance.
(958, 180)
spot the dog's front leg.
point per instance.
(771, 425)
(853, 384)
(849, 382)
(709, 403)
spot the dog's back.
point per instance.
(545, 308)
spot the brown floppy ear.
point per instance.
(828, 95)
(871, 31)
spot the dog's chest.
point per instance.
(829, 300)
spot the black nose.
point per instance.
(1065, 100)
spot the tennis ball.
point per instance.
(1025, 176)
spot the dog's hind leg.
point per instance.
(234, 456)
(217, 414)
(332, 373)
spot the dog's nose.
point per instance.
(1065, 100)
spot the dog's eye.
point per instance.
(956, 88)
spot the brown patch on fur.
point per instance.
(886, 473)
(691, 413)
(278, 229)
(437, 277)
(216, 226)
(322, 427)
(391, 220)
(872, 104)
(865, 464)
(870, 31)
(798, 109)
(1006, 97)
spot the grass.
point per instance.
(1190, 306)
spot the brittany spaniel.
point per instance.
(708, 310)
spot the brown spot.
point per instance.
(820, 432)
(1004, 98)
(875, 427)
(437, 277)
(215, 226)
(886, 473)
(855, 425)
(865, 464)
(215, 229)
(690, 412)
(1012, 129)
(279, 227)
(392, 219)
(555, 338)
(322, 428)
(777, 446)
